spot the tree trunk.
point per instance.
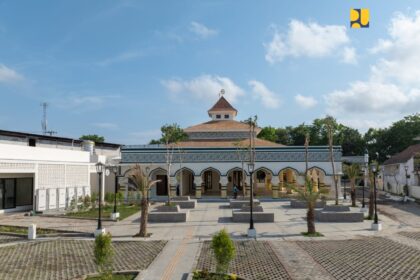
(144, 215)
(310, 218)
(353, 193)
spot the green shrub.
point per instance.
(109, 197)
(87, 202)
(73, 204)
(224, 250)
(103, 253)
(120, 196)
(94, 198)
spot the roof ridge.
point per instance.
(222, 104)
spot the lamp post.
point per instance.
(251, 231)
(100, 170)
(406, 180)
(376, 225)
(116, 170)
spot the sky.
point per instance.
(122, 69)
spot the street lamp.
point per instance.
(116, 170)
(251, 231)
(366, 171)
(406, 180)
(375, 172)
(100, 169)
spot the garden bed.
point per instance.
(41, 232)
(116, 276)
(124, 210)
(205, 275)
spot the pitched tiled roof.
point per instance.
(222, 125)
(225, 143)
(404, 156)
(222, 105)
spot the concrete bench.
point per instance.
(167, 208)
(181, 198)
(247, 208)
(168, 217)
(299, 204)
(338, 217)
(186, 204)
(336, 208)
(234, 203)
(259, 217)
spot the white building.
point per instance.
(401, 169)
(210, 161)
(43, 172)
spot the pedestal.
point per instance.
(252, 233)
(32, 232)
(115, 216)
(377, 227)
(364, 210)
(99, 232)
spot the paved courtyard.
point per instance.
(70, 259)
(347, 251)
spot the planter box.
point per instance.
(234, 203)
(259, 217)
(167, 208)
(247, 208)
(303, 204)
(180, 198)
(186, 204)
(168, 217)
(339, 217)
(336, 208)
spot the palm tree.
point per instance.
(308, 195)
(353, 172)
(143, 184)
(330, 125)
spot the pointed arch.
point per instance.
(184, 169)
(236, 168)
(289, 168)
(318, 169)
(210, 169)
(157, 169)
(265, 169)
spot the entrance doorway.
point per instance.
(16, 192)
(162, 186)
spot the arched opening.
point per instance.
(161, 187)
(262, 182)
(288, 178)
(185, 180)
(236, 177)
(317, 176)
(211, 182)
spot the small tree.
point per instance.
(371, 192)
(224, 250)
(143, 185)
(330, 125)
(103, 253)
(93, 137)
(353, 172)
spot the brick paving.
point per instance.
(368, 258)
(299, 264)
(4, 238)
(253, 260)
(413, 235)
(69, 259)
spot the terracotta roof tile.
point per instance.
(222, 105)
(404, 156)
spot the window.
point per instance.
(218, 116)
(32, 142)
(261, 176)
(226, 116)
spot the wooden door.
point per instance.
(162, 186)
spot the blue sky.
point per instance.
(124, 68)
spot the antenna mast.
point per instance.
(44, 120)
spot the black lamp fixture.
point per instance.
(406, 180)
(116, 170)
(100, 169)
(251, 167)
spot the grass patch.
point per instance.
(24, 230)
(316, 234)
(124, 210)
(115, 277)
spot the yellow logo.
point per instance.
(359, 18)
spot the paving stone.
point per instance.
(69, 259)
(4, 238)
(253, 260)
(368, 258)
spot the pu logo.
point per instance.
(359, 18)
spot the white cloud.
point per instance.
(310, 40)
(268, 98)
(201, 30)
(77, 102)
(203, 87)
(392, 90)
(122, 57)
(349, 55)
(9, 75)
(305, 101)
(105, 125)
